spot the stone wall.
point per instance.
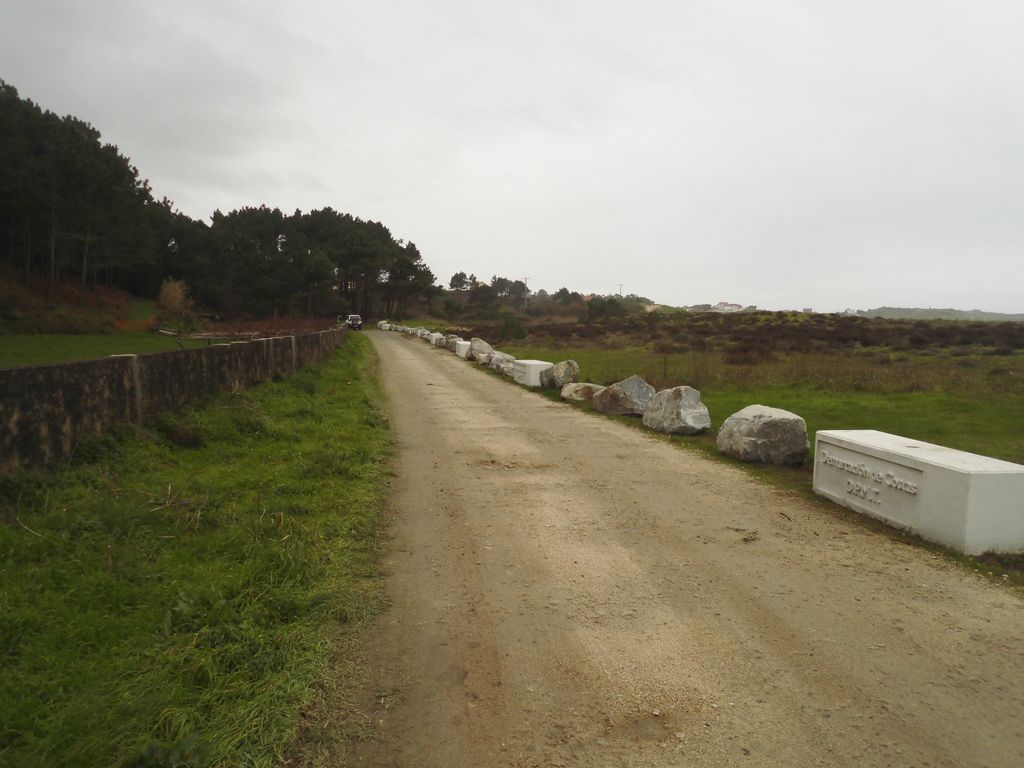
(46, 409)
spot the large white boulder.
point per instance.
(437, 339)
(764, 434)
(560, 374)
(677, 411)
(528, 372)
(584, 393)
(384, 325)
(627, 397)
(462, 349)
(480, 351)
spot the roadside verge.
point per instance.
(176, 595)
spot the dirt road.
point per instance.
(568, 591)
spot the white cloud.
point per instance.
(778, 153)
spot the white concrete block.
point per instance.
(965, 501)
(527, 372)
(462, 349)
(437, 339)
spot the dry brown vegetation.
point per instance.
(758, 335)
(786, 348)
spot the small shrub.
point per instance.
(451, 308)
(178, 429)
(92, 450)
(511, 328)
(174, 307)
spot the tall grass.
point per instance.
(971, 402)
(174, 597)
(865, 371)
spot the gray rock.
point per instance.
(769, 435)
(581, 392)
(508, 368)
(556, 377)
(677, 411)
(499, 359)
(480, 351)
(627, 397)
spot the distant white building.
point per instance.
(725, 306)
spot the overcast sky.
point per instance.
(809, 153)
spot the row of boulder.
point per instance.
(756, 433)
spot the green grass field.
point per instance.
(141, 309)
(179, 594)
(41, 349)
(973, 403)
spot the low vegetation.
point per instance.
(27, 309)
(757, 337)
(20, 350)
(174, 596)
(969, 396)
(959, 384)
(971, 402)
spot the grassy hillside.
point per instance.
(31, 309)
(175, 596)
(36, 329)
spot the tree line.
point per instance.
(74, 207)
(503, 295)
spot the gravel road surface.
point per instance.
(569, 591)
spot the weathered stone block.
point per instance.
(628, 397)
(528, 372)
(581, 392)
(677, 411)
(560, 374)
(480, 351)
(962, 500)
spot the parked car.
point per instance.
(355, 322)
